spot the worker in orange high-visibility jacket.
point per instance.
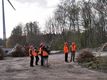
(73, 50)
(35, 54)
(45, 56)
(31, 56)
(66, 50)
(41, 53)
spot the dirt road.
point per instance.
(18, 69)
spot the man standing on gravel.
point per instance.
(73, 50)
(31, 56)
(66, 49)
(41, 53)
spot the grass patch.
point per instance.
(99, 64)
(102, 63)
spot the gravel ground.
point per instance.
(19, 69)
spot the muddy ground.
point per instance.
(19, 69)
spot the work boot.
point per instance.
(36, 64)
(31, 66)
(70, 60)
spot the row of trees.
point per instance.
(1, 41)
(29, 34)
(24, 35)
(84, 22)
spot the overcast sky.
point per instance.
(26, 11)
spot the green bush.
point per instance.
(19, 52)
(1, 54)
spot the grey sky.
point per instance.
(26, 11)
(39, 2)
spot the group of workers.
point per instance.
(44, 53)
(34, 53)
(72, 49)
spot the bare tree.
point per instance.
(32, 32)
(16, 37)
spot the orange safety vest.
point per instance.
(73, 47)
(65, 49)
(34, 53)
(45, 53)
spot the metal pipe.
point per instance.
(4, 29)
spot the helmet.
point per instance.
(73, 43)
(42, 45)
(66, 43)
